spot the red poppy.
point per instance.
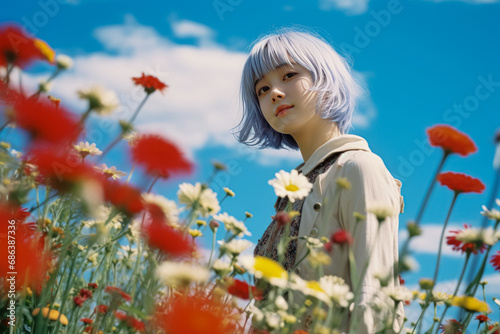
(85, 293)
(461, 183)
(124, 196)
(18, 48)
(86, 321)
(79, 300)
(63, 170)
(282, 218)
(92, 285)
(341, 237)
(45, 122)
(482, 318)
(9, 96)
(242, 290)
(16, 252)
(495, 261)
(158, 156)
(197, 314)
(120, 315)
(162, 236)
(118, 292)
(102, 308)
(451, 140)
(451, 327)
(465, 247)
(150, 83)
(490, 327)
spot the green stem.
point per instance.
(139, 107)
(431, 187)
(110, 146)
(4, 125)
(212, 250)
(85, 115)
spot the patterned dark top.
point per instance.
(268, 244)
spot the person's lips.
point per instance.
(281, 108)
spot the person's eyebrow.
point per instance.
(277, 67)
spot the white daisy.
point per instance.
(203, 199)
(181, 274)
(101, 100)
(110, 172)
(101, 216)
(233, 225)
(492, 214)
(281, 303)
(293, 185)
(64, 62)
(235, 246)
(398, 293)
(265, 268)
(85, 149)
(475, 235)
(168, 207)
(309, 288)
(222, 267)
(335, 288)
(382, 211)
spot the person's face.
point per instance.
(285, 99)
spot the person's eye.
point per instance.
(262, 90)
(289, 75)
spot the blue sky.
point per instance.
(420, 61)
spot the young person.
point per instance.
(299, 93)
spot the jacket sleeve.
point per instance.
(371, 184)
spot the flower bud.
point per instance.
(214, 225)
(413, 229)
(426, 283)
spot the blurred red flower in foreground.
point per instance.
(461, 183)
(451, 327)
(118, 292)
(459, 245)
(19, 49)
(124, 196)
(451, 140)
(495, 261)
(164, 237)
(159, 156)
(341, 237)
(150, 83)
(195, 314)
(45, 121)
(30, 270)
(130, 321)
(242, 289)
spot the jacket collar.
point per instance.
(337, 144)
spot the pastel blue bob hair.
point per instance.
(332, 80)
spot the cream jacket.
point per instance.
(328, 208)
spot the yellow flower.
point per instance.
(470, 304)
(343, 183)
(200, 222)
(5, 145)
(45, 50)
(263, 267)
(52, 315)
(426, 283)
(228, 192)
(248, 214)
(195, 233)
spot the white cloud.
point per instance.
(428, 241)
(201, 105)
(186, 29)
(350, 7)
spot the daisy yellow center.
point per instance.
(291, 187)
(269, 268)
(314, 285)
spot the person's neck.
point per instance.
(311, 138)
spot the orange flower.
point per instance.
(451, 140)
(300, 331)
(461, 183)
(197, 314)
(159, 156)
(150, 83)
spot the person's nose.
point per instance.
(277, 95)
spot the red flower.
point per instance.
(282, 218)
(18, 48)
(120, 315)
(86, 321)
(63, 170)
(451, 140)
(459, 245)
(79, 300)
(341, 237)
(150, 83)
(482, 318)
(495, 261)
(86, 293)
(45, 122)
(123, 196)
(161, 236)
(490, 327)
(451, 327)
(242, 290)
(328, 246)
(16, 255)
(197, 314)
(92, 285)
(131, 321)
(461, 183)
(102, 309)
(118, 292)
(159, 156)
(401, 280)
